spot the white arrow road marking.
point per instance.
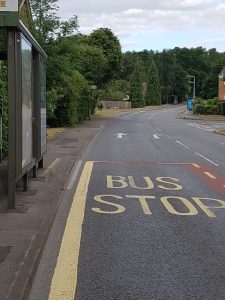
(157, 136)
(120, 135)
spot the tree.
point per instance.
(46, 23)
(153, 86)
(195, 62)
(136, 85)
(182, 86)
(67, 28)
(128, 63)
(166, 62)
(105, 39)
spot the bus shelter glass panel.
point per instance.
(26, 58)
(43, 106)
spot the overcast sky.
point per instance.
(156, 25)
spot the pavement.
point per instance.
(25, 230)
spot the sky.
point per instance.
(153, 25)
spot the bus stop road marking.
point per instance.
(64, 279)
(210, 175)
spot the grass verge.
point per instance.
(52, 133)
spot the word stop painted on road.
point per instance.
(111, 204)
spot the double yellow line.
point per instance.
(64, 281)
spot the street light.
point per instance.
(190, 100)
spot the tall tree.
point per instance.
(166, 62)
(153, 95)
(136, 85)
(181, 88)
(46, 23)
(105, 39)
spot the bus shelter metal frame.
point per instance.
(15, 169)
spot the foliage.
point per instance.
(45, 20)
(181, 87)
(104, 39)
(198, 109)
(75, 63)
(153, 86)
(116, 90)
(136, 85)
(209, 107)
(175, 65)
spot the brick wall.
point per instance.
(221, 90)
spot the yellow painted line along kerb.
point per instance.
(51, 166)
(63, 286)
(210, 175)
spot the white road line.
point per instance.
(185, 146)
(210, 175)
(199, 126)
(51, 167)
(73, 177)
(209, 160)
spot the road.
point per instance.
(147, 217)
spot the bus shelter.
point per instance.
(26, 95)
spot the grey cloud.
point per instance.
(108, 6)
(129, 17)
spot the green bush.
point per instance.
(213, 101)
(211, 109)
(198, 109)
(198, 101)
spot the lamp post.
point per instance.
(191, 99)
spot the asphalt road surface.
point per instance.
(147, 219)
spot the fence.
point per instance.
(116, 104)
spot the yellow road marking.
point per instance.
(196, 166)
(51, 167)
(64, 281)
(210, 175)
